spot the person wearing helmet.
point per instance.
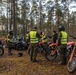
(62, 42)
(27, 36)
(44, 40)
(10, 41)
(27, 41)
(34, 38)
(44, 37)
(18, 36)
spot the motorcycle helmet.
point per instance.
(35, 27)
(41, 33)
(11, 32)
(54, 31)
(27, 31)
(17, 33)
(61, 28)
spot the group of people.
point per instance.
(33, 37)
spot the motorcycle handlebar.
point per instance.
(72, 36)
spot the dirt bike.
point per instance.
(71, 65)
(53, 52)
(1, 48)
(20, 44)
(41, 48)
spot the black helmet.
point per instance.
(41, 33)
(11, 32)
(27, 31)
(17, 33)
(35, 27)
(54, 31)
(61, 28)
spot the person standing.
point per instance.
(27, 42)
(34, 38)
(9, 42)
(27, 36)
(55, 36)
(44, 40)
(18, 36)
(62, 42)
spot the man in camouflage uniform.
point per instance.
(62, 42)
(34, 38)
(27, 41)
(9, 42)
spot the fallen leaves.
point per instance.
(14, 65)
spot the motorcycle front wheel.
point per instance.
(1, 51)
(19, 47)
(71, 65)
(51, 55)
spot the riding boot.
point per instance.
(9, 52)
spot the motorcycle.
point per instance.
(53, 52)
(71, 65)
(41, 46)
(20, 44)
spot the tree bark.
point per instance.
(14, 20)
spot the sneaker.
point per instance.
(28, 51)
(10, 54)
(60, 63)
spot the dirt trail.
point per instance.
(14, 65)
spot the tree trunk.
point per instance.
(7, 18)
(11, 16)
(40, 17)
(68, 20)
(57, 15)
(14, 20)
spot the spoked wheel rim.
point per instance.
(51, 55)
(1, 51)
(71, 66)
(19, 47)
(40, 50)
